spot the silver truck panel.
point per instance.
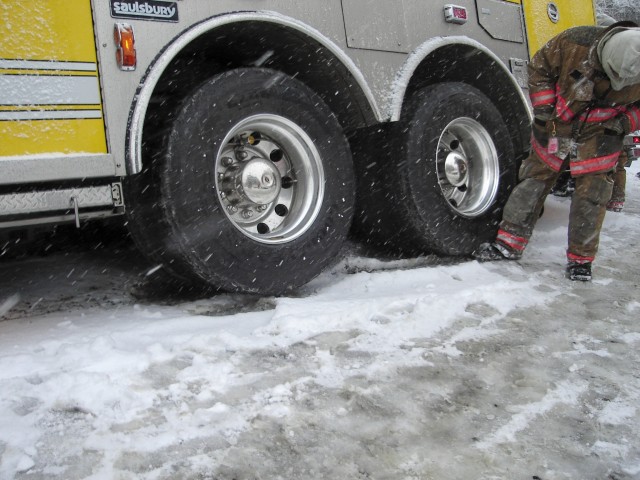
(161, 62)
(501, 20)
(387, 19)
(374, 65)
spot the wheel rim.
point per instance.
(468, 167)
(269, 179)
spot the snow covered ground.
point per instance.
(420, 369)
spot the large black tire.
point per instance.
(250, 188)
(436, 181)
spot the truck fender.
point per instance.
(418, 56)
(171, 50)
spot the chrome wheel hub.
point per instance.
(253, 183)
(269, 178)
(456, 168)
(468, 167)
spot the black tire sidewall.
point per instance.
(208, 242)
(428, 212)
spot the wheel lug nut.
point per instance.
(227, 161)
(247, 214)
(232, 209)
(261, 208)
(241, 155)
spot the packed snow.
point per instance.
(379, 369)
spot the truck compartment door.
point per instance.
(545, 19)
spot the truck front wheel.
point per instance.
(253, 188)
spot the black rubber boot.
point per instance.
(489, 252)
(579, 271)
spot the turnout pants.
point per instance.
(620, 180)
(588, 208)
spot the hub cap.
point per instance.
(254, 182)
(455, 169)
(468, 167)
(269, 179)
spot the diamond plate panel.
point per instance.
(52, 200)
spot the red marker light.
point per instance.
(455, 14)
(460, 13)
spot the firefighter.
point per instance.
(565, 185)
(585, 91)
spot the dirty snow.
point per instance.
(416, 369)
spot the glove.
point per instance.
(615, 126)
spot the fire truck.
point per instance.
(632, 146)
(246, 140)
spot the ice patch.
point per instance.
(566, 392)
(616, 413)
(631, 306)
(610, 449)
(630, 338)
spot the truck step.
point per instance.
(25, 208)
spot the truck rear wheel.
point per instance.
(253, 189)
(448, 171)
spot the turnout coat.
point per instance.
(573, 101)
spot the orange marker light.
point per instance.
(125, 46)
